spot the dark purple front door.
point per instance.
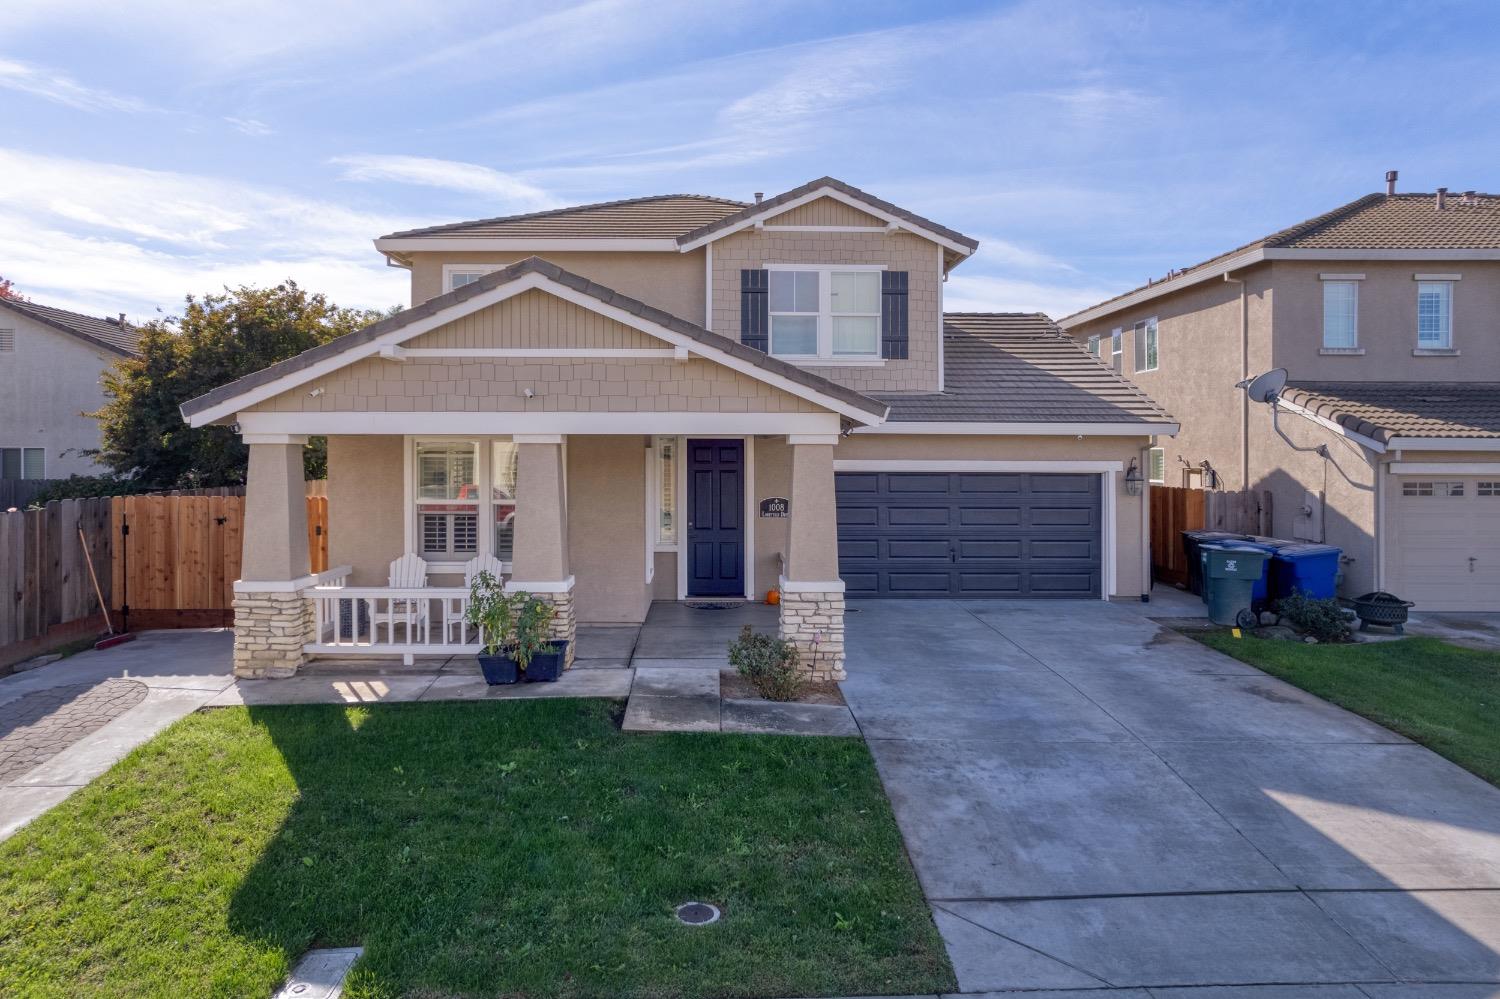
(716, 518)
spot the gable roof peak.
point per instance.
(111, 333)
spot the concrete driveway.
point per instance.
(1093, 801)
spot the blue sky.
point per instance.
(159, 147)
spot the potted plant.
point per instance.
(490, 610)
(515, 630)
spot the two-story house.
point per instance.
(51, 363)
(679, 398)
(1385, 313)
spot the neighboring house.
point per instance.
(686, 397)
(51, 362)
(1386, 315)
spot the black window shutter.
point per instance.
(755, 316)
(893, 336)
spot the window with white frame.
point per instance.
(1340, 315)
(504, 458)
(455, 277)
(1146, 352)
(1117, 349)
(1435, 315)
(23, 463)
(1094, 345)
(1157, 465)
(447, 499)
(825, 312)
(664, 483)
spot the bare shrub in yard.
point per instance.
(769, 663)
(1321, 617)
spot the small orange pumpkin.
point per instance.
(773, 597)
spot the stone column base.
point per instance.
(565, 623)
(813, 621)
(270, 628)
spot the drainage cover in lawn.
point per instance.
(697, 914)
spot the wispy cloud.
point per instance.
(250, 126)
(61, 89)
(111, 237)
(469, 178)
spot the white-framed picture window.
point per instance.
(455, 276)
(23, 463)
(825, 312)
(1117, 349)
(447, 495)
(1093, 345)
(1157, 465)
(1340, 315)
(1147, 353)
(1435, 315)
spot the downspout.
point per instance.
(1244, 374)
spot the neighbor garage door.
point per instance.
(1445, 554)
(968, 534)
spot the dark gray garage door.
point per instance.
(942, 534)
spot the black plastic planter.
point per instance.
(547, 666)
(498, 669)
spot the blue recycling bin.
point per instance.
(1312, 569)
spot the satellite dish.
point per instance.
(1266, 387)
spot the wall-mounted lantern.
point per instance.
(1133, 478)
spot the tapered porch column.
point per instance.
(539, 559)
(272, 621)
(812, 595)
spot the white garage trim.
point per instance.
(1445, 444)
(1445, 467)
(1107, 469)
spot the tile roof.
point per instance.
(1374, 222)
(1384, 410)
(111, 334)
(1009, 367)
(533, 265)
(662, 216)
(833, 183)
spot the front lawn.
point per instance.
(516, 849)
(1439, 695)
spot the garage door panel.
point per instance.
(973, 534)
(1445, 542)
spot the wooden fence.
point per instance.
(1175, 509)
(163, 561)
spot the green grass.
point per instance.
(520, 849)
(1439, 695)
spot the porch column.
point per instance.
(812, 595)
(539, 559)
(272, 621)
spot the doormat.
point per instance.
(715, 604)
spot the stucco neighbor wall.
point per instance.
(1387, 321)
(607, 528)
(1199, 362)
(900, 251)
(46, 385)
(668, 280)
(366, 529)
(1130, 531)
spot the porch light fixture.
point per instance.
(1133, 478)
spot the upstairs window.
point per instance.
(1340, 315)
(455, 276)
(1146, 353)
(825, 312)
(1094, 345)
(23, 463)
(1117, 349)
(1435, 315)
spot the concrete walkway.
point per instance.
(1091, 802)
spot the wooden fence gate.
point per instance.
(1175, 509)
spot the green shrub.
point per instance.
(1320, 617)
(769, 663)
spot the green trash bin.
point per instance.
(1230, 572)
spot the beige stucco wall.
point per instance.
(825, 211)
(607, 528)
(46, 385)
(668, 280)
(773, 477)
(1387, 321)
(903, 251)
(1130, 539)
(365, 515)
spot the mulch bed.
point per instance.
(734, 687)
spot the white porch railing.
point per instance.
(388, 621)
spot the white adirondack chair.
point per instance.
(457, 625)
(407, 572)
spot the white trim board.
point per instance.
(489, 424)
(499, 294)
(1025, 429)
(470, 244)
(975, 465)
(1444, 467)
(1444, 444)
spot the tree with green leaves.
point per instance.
(217, 339)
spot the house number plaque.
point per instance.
(775, 506)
